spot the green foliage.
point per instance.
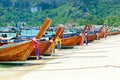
(98, 12)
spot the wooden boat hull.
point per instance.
(17, 52)
(119, 32)
(115, 33)
(92, 37)
(101, 35)
(43, 46)
(71, 41)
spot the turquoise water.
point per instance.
(24, 32)
(29, 32)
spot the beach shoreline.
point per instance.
(81, 62)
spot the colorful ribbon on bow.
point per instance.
(36, 45)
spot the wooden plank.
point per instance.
(100, 29)
(43, 28)
(59, 33)
(86, 26)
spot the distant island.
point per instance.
(76, 12)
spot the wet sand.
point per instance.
(97, 61)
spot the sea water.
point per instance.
(23, 32)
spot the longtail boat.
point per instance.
(91, 37)
(70, 41)
(110, 31)
(21, 51)
(115, 32)
(119, 30)
(95, 36)
(4, 41)
(104, 32)
(99, 33)
(45, 46)
(91, 34)
(73, 40)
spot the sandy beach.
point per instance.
(97, 61)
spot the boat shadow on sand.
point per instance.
(30, 62)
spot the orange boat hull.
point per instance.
(101, 35)
(115, 33)
(16, 52)
(43, 47)
(71, 41)
(92, 37)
